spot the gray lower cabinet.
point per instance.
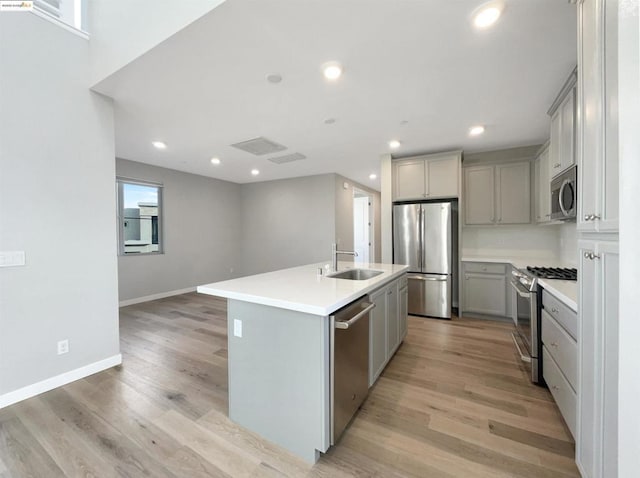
(484, 289)
(387, 324)
(560, 355)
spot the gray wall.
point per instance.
(201, 233)
(57, 202)
(287, 222)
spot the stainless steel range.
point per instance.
(526, 316)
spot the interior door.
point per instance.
(406, 236)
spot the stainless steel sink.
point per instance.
(355, 274)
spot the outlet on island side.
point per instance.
(237, 328)
(63, 347)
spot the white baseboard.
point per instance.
(58, 381)
(161, 295)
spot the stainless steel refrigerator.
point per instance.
(423, 239)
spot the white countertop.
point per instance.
(301, 289)
(565, 290)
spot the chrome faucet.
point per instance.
(334, 256)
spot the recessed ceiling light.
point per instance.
(159, 145)
(215, 161)
(274, 78)
(487, 15)
(373, 176)
(255, 172)
(476, 130)
(329, 121)
(394, 144)
(332, 70)
(404, 122)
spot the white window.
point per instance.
(139, 217)
(69, 12)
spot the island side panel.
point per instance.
(279, 376)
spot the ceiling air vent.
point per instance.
(287, 158)
(259, 146)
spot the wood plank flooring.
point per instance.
(453, 402)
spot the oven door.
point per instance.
(526, 326)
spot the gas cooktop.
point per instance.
(562, 273)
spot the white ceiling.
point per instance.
(420, 61)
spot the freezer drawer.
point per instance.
(430, 295)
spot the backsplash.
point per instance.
(550, 242)
(568, 237)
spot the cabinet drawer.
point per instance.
(566, 317)
(562, 347)
(484, 267)
(562, 392)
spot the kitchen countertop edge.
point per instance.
(218, 289)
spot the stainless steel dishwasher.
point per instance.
(350, 363)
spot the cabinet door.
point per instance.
(544, 187)
(554, 143)
(403, 298)
(409, 180)
(442, 177)
(393, 322)
(479, 199)
(485, 294)
(597, 443)
(514, 193)
(377, 335)
(567, 138)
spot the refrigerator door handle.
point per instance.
(423, 266)
(437, 279)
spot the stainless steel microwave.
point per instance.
(564, 196)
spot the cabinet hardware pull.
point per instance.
(591, 256)
(587, 217)
(557, 165)
(554, 344)
(555, 387)
(554, 310)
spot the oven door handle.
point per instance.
(524, 295)
(523, 357)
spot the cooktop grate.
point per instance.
(563, 273)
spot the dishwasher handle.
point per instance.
(348, 323)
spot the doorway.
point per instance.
(363, 226)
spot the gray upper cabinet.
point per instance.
(562, 149)
(542, 188)
(479, 195)
(598, 179)
(425, 177)
(497, 194)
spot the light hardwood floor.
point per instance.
(453, 402)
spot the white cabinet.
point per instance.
(393, 319)
(426, 177)
(597, 141)
(542, 186)
(497, 194)
(484, 289)
(560, 356)
(387, 325)
(563, 129)
(596, 443)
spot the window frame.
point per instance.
(120, 182)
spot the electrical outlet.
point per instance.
(63, 347)
(237, 328)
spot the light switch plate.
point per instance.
(12, 258)
(237, 328)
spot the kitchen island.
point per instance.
(281, 346)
